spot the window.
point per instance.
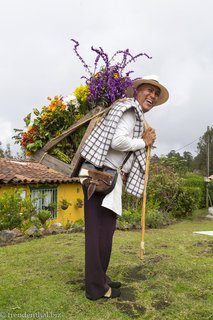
(23, 194)
(45, 199)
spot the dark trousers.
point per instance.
(100, 225)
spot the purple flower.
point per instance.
(109, 83)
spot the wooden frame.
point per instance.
(70, 170)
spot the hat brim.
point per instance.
(164, 94)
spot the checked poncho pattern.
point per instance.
(97, 144)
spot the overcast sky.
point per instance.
(37, 58)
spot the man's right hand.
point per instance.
(149, 136)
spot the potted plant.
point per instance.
(64, 204)
(79, 203)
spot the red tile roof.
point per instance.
(14, 171)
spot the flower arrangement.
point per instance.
(109, 82)
(50, 122)
(102, 87)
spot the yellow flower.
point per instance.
(43, 117)
(78, 116)
(82, 93)
(28, 153)
(29, 128)
(116, 75)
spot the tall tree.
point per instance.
(1, 151)
(188, 158)
(204, 157)
(5, 153)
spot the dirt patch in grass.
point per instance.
(206, 245)
(76, 281)
(160, 303)
(135, 273)
(138, 272)
(133, 310)
(127, 294)
(130, 250)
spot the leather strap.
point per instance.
(125, 159)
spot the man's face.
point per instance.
(147, 96)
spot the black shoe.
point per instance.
(114, 284)
(115, 293)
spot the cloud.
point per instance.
(6, 131)
(37, 58)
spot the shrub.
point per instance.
(154, 218)
(43, 216)
(163, 186)
(131, 216)
(172, 192)
(193, 180)
(14, 210)
(187, 201)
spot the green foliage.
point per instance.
(129, 201)
(205, 142)
(154, 219)
(163, 185)
(188, 200)
(43, 216)
(77, 223)
(175, 161)
(131, 216)
(172, 191)
(210, 188)
(14, 210)
(193, 180)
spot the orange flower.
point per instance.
(52, 107)
(59, 103)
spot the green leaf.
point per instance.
(36, 112)
(18, 130)
(27, 119)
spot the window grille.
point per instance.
(45, 199)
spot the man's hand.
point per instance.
(149, 136)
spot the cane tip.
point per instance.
(141, 254)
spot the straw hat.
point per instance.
(150, 79)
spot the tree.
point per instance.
(176, 161)
(5, 153)
(205, 143)
(187, 156)
(1, 151)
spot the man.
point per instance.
(119, 133)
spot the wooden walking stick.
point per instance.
(142, 249)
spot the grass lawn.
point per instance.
(44, 278)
